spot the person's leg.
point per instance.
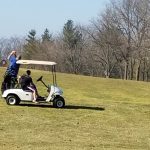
(34, 87)
(13, 82)
(34, 96)
(34, 93)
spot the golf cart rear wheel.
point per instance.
(59, 102)
(12, 100)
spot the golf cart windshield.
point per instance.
(37, 62)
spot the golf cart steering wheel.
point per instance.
(39, 79)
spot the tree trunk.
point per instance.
(126, 71)
(147, 76)
(144, 70)
(137, 70)
(131, 71)
(138, 73)
(107, 74)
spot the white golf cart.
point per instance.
(16, 95)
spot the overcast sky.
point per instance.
(18, 17)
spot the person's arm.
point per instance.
(31, 81)
(13, 52)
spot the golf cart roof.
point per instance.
(35, 62)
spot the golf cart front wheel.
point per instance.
(59, 102)
(12, 100)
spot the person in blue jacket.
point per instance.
(10, 76)
(13, 67)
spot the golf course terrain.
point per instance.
(100, 114)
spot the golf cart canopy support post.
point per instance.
(54, 75)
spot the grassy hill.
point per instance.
(99, 114)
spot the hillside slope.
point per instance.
(99, 114)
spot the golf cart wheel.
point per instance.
(12, 100)
(59, 102)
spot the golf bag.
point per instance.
(9, 82)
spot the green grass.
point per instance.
(99, 114)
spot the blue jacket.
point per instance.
(13, 67)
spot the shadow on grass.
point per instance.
(66, 107)
(84, 107)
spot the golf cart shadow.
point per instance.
(66, 107)
(84, 107)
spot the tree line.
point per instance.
(115, 44)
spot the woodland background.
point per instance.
(115, 44)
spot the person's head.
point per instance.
(28, 72)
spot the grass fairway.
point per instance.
(99, 114)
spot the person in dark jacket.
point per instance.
(27, 84)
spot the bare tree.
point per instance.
(106, 40)
(13, 43)
(131, 18)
